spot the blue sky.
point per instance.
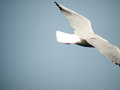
(32, 59)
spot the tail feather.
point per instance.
(66, 38)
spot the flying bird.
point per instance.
(84, 35)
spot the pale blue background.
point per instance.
(31, 59)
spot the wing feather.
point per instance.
(110, 51)
(77, 21)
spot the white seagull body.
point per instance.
(84, 35)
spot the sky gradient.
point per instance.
(32, 59)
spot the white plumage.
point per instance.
(84, 35)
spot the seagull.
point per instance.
(84, 35)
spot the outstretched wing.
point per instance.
(110, 51)
(78, 22)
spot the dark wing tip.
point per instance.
(117, 64)
(61, 8)
(58, 5)
(55, 2)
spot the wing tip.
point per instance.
(55, 2)
(117, 64)
(58, 5)
(62, 8)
